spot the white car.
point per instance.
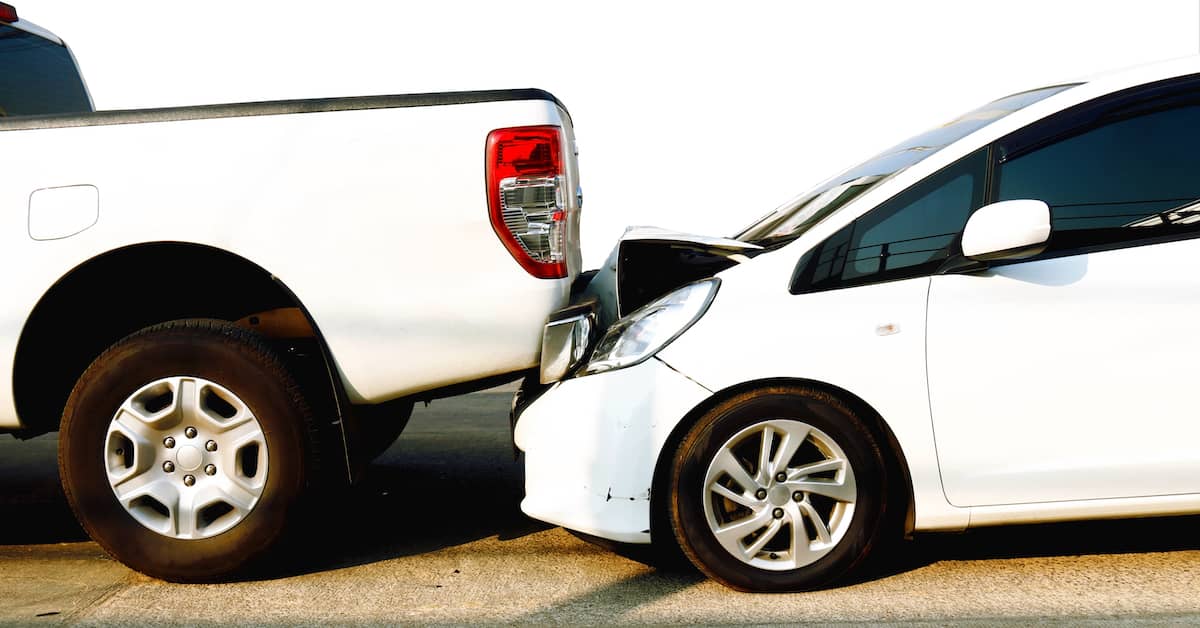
(985, 325)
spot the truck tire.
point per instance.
(185, 448)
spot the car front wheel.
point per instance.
(781, 489)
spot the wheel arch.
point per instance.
(98, 302)
(893, 452)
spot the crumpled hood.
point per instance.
(648, 262)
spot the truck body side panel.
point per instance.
(375, 218)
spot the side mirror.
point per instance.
(1007, 230)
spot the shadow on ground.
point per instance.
(451, 479)
(33, 509)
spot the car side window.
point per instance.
(37, 76)
(909, 235)
(1133, 179)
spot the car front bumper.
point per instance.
(592, 444)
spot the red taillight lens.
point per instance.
(525, 178)
(8, 13)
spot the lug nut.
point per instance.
(169, 466)
(761, 493)
(781, 477)
(120, 451)
(190, 432)
(189, 480)
(210, 469)
(169, 442)
(777, 513)
(211, 445)
(798, 496)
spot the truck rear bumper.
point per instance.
(566, 340)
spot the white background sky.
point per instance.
(692, 115)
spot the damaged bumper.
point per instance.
(592, 444)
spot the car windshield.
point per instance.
(800, 214)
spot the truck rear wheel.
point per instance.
(184, 448)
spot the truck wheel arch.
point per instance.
(120, 291)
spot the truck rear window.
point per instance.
(37, 76)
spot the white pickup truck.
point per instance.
(222, 308)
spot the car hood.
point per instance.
(648, 262)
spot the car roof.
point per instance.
(1115, 80)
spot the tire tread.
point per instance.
(231, 335)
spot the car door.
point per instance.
(1066, 376)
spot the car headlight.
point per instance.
(644, 332)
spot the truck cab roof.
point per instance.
(9, 11)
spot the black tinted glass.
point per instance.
(1127, 180)
(37, 76)
(908, 236)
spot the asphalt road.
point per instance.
(434, 535)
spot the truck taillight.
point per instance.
(8, 13)
(525, 179)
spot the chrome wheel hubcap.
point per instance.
(779, 495)
(186, 457)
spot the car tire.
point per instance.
(185, 448)
(747, 526)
